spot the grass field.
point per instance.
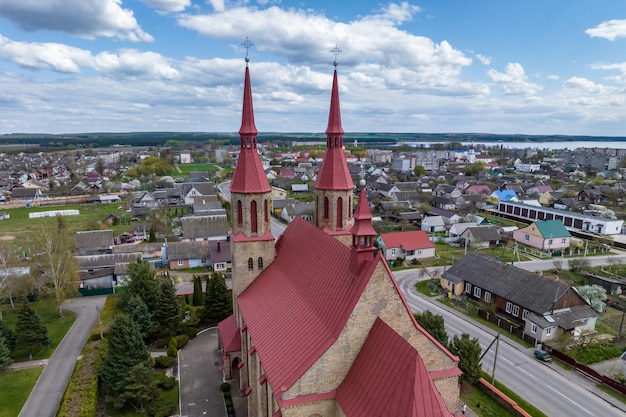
(15, 387)
(188, 168)
(57, 327)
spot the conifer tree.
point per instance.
(126, 350)
(167, 313)
(143, 283)
(7, 334)
(30, 332)
(140, 388)
(468, 350)
(138, 312)
(198, 296)
(218, 301)
(5, 358)
(433, 324)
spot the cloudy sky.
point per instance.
(492, 66)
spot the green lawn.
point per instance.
(188, 168)
(15, 387)
(57, 327)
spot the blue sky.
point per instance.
(490, 66)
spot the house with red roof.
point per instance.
(408, 245)
(320, 326)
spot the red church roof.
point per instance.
(414, 240)
(231, 337)
(249, 176)
(297, 307)
(363, 217)
(334, 173)
(389, 378)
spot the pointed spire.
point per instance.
(334, 116)
(247, 114)
(362, 218)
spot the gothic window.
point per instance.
(250, 264)
(265, 212)
(325, 208)
(239, 213)
(253, 217)
(260, 263)
(339, 213)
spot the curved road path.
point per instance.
(45, 398)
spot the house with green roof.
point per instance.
(546, 235)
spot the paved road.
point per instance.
(46, 396)
(200, 377)
(556, 392)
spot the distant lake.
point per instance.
(534, 145)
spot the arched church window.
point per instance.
(239, 213)
(326, 208)
(253, 217)
(339, 213)
(250, 264)
(265, 212)
(260, 263)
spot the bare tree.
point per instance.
(55, 261)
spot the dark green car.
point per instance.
(542, 355)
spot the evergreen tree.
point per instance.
(434, 325)
(218, 301)
(140, 388)
(126, 350)
(30, 332)
(7, 334)
(143, 284)
(5, 358)
(167, 313)
(138, 312)
(198, 296)
(468, 351)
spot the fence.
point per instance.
(587, 371)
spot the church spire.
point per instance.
(334, 186)
(362, 231)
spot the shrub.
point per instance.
(181, 340)
(225, 387)
(163, 343)
(227, 395)
(229, 403)
(165, 382)
(163, 362)
(160, 408)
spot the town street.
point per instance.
(556, 392)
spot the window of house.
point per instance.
(487, 296)
(393, 252)
(250, 264)
(563, 241)
(219, 266)
(419, 252)
(549, 241)
(509, 307)
(515, 311)
(260, 263)
(180, 262)
(533, 328)
(477, 292)
(526, 237)
(468, 288)
(549, 331)
(524, 314)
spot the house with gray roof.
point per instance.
(481, 236)
(190, 254)
(93, 242)
(205, 227)
(546, 308)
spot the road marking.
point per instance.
(568, 399)
(519, 368)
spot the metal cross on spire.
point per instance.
(336, 51)
(247, 44)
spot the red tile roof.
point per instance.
(334, 115)
(334, 173)
(229, 332)
(297, 307)
(389, 378)
(363, 217)
(414, 240)
(247, 112)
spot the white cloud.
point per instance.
(610, 30)
(620, 66)
(167, 5)
(84, 18)
(484, 59)
(68, 59)
(584, 85)
(218, 5)
(514, 80)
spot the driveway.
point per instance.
(45, 398)
(200, 377)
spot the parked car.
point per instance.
(542, 355)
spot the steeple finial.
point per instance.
(247, 44)
(336, 51)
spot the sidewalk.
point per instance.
(27, 364)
